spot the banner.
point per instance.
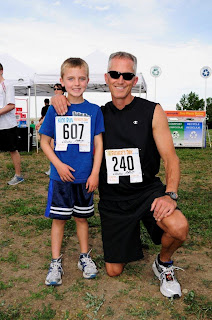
(188, 128)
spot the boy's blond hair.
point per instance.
(74, 63)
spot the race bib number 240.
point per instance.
(123, 162)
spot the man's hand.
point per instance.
(92, 182)
(64, 172)
(163, 207)
(60, 103)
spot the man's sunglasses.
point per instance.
(125, 75)
(57, 89)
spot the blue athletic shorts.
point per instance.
(66, 199)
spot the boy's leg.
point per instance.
(85, 262)
(54, 276)
(82, 233)
(57, 233)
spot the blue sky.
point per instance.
(176, 35)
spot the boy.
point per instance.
(8, 126)
(74, 167)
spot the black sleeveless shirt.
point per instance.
(130, 127)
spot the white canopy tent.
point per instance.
(28, 83)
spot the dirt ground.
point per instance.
(25, 253)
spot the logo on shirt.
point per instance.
(79, 114)
(135, 122)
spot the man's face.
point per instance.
(75, 81)
(120, 88)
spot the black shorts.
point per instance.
(66, 199)
(8, 139)
(120, 222)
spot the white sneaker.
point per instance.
(15, 180)
(48, 172)
(169, 286)
(87, 265)
(54, 276)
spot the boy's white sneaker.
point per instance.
(169, 286)
(87, 266)
(54, 276)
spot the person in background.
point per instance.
(8, 126)
(136, 136)
(74, 169)
(58, 89)
(43, 113)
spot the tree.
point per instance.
(190, 101)
(209, 112)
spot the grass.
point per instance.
(25, 251)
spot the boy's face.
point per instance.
(75, 81)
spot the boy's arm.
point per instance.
(93, 179)
(63, 169)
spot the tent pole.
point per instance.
(36, 115)
(28, 118)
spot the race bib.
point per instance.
(73, 130)
(123, 162)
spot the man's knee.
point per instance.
(176, 226)
(180, 229)
(114, 269)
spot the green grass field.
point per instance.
(25, 252)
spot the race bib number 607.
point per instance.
(73, 130)
(123, 162)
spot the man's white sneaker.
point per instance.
(169, 286)
(87, 265)
(54, 276)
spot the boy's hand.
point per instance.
(92, 182)
(60, 103)
(64, 172)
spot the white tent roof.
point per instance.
(23, 77)
(17, 72)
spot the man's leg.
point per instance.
(175, 233)
(114, 269)
(16, 159)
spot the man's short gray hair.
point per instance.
(122, 54)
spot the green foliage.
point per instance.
(199, 306)
(190, 101)
(46, 314)
(209, 112)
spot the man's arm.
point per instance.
(7, 108)
(165, 206)
(93, 179)
(63, 169)
(60, 103)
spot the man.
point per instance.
(136, 137)
(43, 113)
(8, 126)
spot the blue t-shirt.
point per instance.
(82, 162)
